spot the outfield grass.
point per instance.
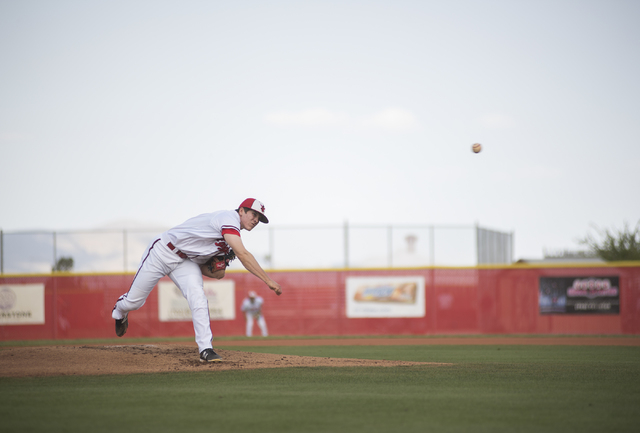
(488, 388)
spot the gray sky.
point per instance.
(155, 111)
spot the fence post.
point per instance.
(478, 254)
(55, 251)
(346, 244)
(124, 248)
(1, 252)
(390, 246)
(432, 245)
(511, 246)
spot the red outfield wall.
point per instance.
(457, 301)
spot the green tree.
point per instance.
(64, 264)
(615, 245)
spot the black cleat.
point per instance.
(121, 326)
(209, 355)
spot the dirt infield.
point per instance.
(541, 341)
(174, 357)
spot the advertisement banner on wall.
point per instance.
(385, 297)
(22, 304)
(173, 307)
(579, 295)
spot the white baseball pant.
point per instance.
(261, 323)
(157, 262)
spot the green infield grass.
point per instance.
(486, 389)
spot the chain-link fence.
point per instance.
(275, 247)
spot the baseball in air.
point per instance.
(477, 147)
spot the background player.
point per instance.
(252, 309)
(199, 246)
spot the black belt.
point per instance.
(177, 251)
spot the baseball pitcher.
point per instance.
(203, 245)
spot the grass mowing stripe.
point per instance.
(592, 389)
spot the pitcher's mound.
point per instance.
(155, 358)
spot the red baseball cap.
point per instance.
(257, 206)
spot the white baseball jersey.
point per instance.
(202, 237)
(254, 307)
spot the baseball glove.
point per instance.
(217, 263)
